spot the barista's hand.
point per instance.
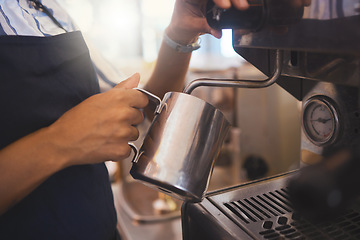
(188, 20)
(99, 128)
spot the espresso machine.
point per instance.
(312, 50)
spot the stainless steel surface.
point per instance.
(179, 150)
(240, 83)
(326, 26)
(263, 210)
(322, 46)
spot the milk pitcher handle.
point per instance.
(136, 152)
(153, 98)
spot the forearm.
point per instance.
(170, 70)
(187, 23)
(96, 130)
(24, 165)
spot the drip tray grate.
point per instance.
(344, 227)
(260, 207)
(265, 212)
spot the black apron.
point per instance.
(40, 79)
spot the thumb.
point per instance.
(130, 83)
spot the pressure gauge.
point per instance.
(320, 120)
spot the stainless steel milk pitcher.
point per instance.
(180, 148)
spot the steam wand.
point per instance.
(240, 83)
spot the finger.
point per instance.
(301, 3)
(125, 133)
(241, 4)
(129, 116)
(131, 82)
(129, 97)
(134, 134)
(223, 3)
(128, 134)
(137, 99)
(307, 2)
(138, 117)
(118, 151)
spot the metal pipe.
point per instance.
(212, 82)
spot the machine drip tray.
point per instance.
(270, 216)
(262, 210)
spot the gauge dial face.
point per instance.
(320, 120)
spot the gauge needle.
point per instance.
(320, 120)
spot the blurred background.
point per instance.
(129, 33)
